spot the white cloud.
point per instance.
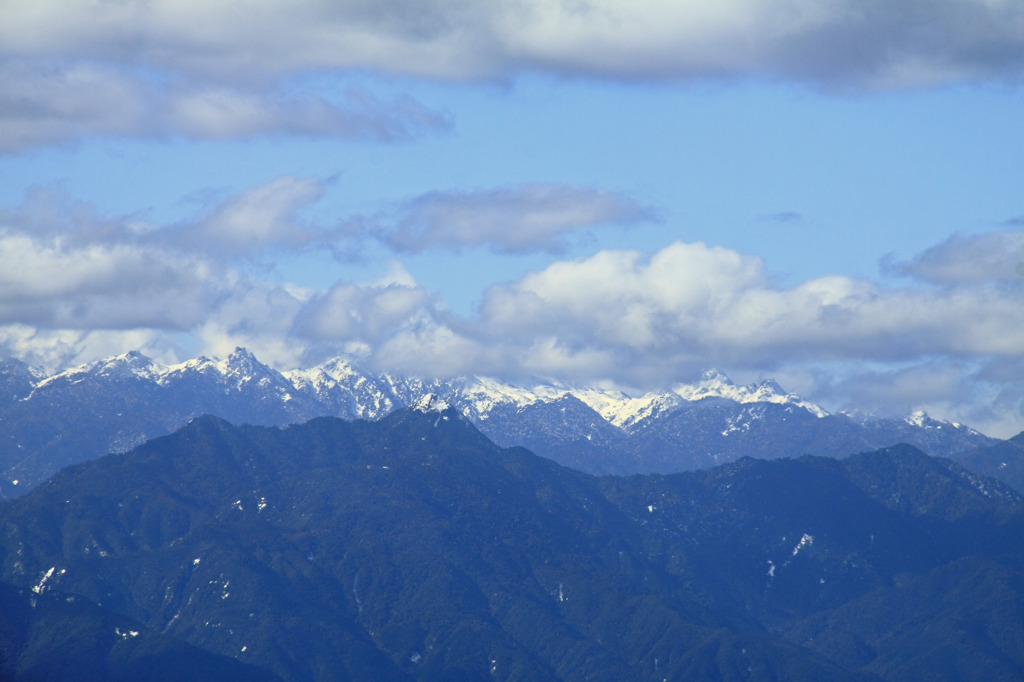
(431, 348)
(642, 318)
(57, 101)
(368, 313)
(625, 299)
(75, 68)
(908, 43)
(690, 305)
(537, 217)
(258, 316)
(989, 257)
(53, 102)
(75, 285)
(99, 286)
(52, 350)
(219, 112)
(263, 216)
(65, 266)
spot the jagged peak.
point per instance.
(918, 418)
(240, 354)
(241, 361)
(132, 363)
(341, 368)
(712, 383)
(715, 384)
(431, 402)
(200, 362)
(768, 386)
(922, 419)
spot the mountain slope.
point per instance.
(47, 635)
(1003, 460)
(414, 548)
(115, 404)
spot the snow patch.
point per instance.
(805, 541)
(40, 587)
(431, 403)
(714, 384)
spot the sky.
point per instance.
(612, 193)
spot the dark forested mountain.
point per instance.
(1003, 460)
(47, 635)
(414, 548)
(113, 405)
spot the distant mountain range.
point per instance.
(413, 548)
(48, 422)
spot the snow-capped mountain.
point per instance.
(114, 404)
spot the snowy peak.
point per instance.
(347, 390)
(768, 387)
(239, 370)
(343, 388)
(132, 364)
(714, 384)
(918, 420)
(481, 395)
(630, 412)
(130, 398)
(922, 420)
(431, 403)
(339, 370)
(241, 361)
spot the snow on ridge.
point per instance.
(918, 418)
(241, 367)
(365, 394)
(200, 364)
(481, 394)
(339, 370)
(923, 420)
(714, 384)
(133, 363)
(431, 403)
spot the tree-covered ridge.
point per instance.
(414, 548)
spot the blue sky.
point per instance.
(624, 193)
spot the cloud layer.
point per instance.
(53, 101)
(690, 305)
(537, 217)
(993, 257)
(908, 43)
(158, 68)
(76, 285)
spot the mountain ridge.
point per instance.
(414, 548)
(118, 403)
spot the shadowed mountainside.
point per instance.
(414, 548)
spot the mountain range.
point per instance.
(414, 548)
(49, 422)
